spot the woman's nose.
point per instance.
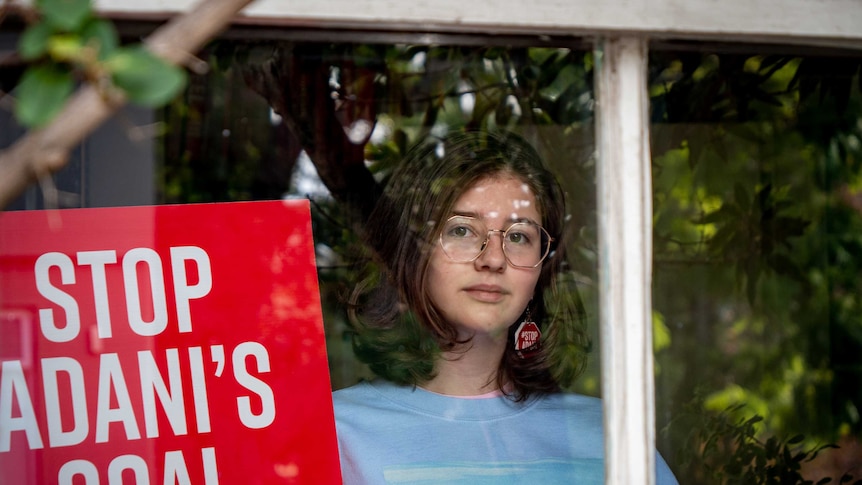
(492, 257)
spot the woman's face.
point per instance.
(484, 297)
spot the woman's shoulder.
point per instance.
(570, 411)
(349, 397)
(568, 401)
(356, 391)
(366, 396)
(380, 396)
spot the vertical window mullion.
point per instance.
(625, 255)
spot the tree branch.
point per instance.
(42, 152)
(296, 85)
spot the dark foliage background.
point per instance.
(757, 211)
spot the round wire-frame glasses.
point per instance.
(525, 244)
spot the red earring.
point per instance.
(527, 336)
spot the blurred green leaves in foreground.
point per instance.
(69, 45)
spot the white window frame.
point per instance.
(623, 30)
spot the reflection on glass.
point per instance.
(757, 264)
(276, 119)
(332, 121)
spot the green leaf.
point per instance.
(146, 79)
(65, 47)
(102, 35)
(785, 266)
(66, 15)
(564, 80)
(41, 94)
(724, 213)
(34, 41)
(796, 439)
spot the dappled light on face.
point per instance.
(522, 203)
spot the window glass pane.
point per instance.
(757, 255)
(278, 119)
(283, 117)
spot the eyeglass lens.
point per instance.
(464, 238)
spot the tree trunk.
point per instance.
(297, 86)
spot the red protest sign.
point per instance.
(169, 344)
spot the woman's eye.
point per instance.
(518, 238)
(460, 231)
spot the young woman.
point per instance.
(470, 326)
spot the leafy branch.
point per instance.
(726, 450)
(71, 45)
(752, 231)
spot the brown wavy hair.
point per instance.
(397, 330)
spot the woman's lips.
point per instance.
(486, 293)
